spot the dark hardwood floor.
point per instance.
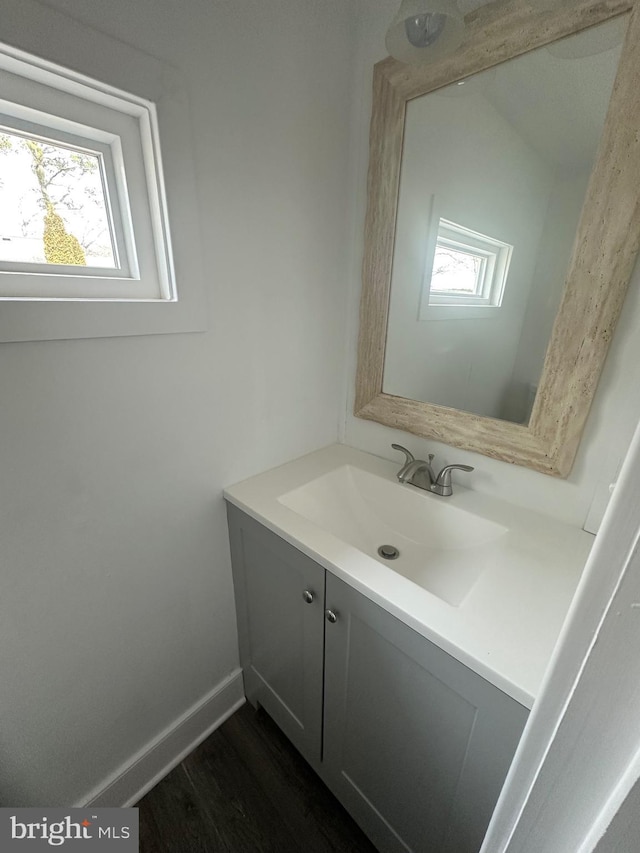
(246, 790)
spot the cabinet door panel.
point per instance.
(416, 745)
(280, 634)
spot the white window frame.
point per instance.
(109, 152)
(495, 256)
(150, 94)
(46, 103)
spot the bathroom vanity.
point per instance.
(405, 683)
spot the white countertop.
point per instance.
(506, 627)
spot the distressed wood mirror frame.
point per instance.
(604, 252)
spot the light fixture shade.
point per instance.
(424, 30)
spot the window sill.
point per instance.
(460, 312)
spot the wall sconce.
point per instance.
(424, 30)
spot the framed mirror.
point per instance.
(502, 226)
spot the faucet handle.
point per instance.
(444, 477)
(443, 485)
(407, 453)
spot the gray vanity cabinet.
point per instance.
(280, 606)
(417, 745)
(414, 744)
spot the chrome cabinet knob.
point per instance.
(308, 596)
(331, 616)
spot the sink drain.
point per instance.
(388, 552)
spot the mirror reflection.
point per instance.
(494, 174)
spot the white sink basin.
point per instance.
(442, 548)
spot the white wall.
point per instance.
(116, 612)
(563, 214)
(616, 409)
(624, 831)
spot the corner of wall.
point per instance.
(164, 752)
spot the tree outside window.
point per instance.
(53, 207)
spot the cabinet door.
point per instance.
(416, 745)
(280, 632)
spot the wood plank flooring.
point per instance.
(246, 790)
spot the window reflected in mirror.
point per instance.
(465, 268)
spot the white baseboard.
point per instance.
(147, 767)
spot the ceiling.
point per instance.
(554, 98)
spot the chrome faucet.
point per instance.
(419, 472)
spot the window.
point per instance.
(56, 210)
(111, 127)
(81, 195)
(466, 268)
